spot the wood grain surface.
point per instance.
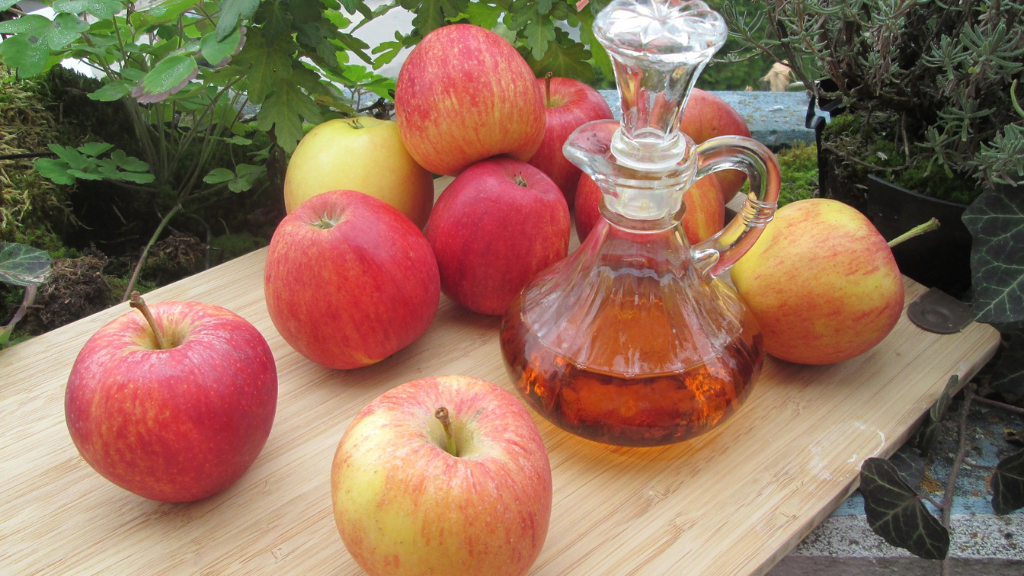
(731, 502)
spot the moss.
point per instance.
(799, 170)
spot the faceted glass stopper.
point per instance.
(658, 47)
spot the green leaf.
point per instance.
(113, 91)
(168, 76)
(218, 53)
(996, 221)
(930, 428)
(1008, 372)
(73, 157)
(484, 15)
(284, 110)
(29, 54)
(230, 13)
(23, 265)
(102, 9)
(84, 175)
(1008, 484)
(55, 170)
(32, 24)
(895, 512)
(5, 4)
(564, 58)
(66, 28)
(431, 14)
(266, 65)
(94, 148)
(218, 175)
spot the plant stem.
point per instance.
(999, 404)
(928, 226)
(139, 304)
(145, 251)
(442, 415)
(947, 498)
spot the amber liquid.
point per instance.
(629, 410)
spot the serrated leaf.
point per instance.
(267, 65)
(231, 11)
(895, 512)
(66, 28)
(28, 53)
(94, 148)
(113, 91)
(431, 14)
(102, 9)
(539, 33)
(217, 52)
(284, 111)
(996, 222)
(564, 58)
(23, 265)
(483, 15)
(218, 175)
(73, 157)
(1008, 484)
(54, 170)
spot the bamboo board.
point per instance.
(731, 502)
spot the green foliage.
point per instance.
(85, 162)
(22, 265)
(1008, 484)
(896, 513)
(996, 222)
(798, 166)
(736, 67)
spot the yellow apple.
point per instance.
(364, 154)
(822, 283)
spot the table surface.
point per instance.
(731, 502)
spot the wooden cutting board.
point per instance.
(731, 502)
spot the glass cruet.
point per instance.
(634, 339)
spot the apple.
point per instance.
(349, 280)
(444, 475)
(174, 403)
(364, 154)
(707, 116)
(495, 227)
(822, 283)
(569, 104)
(704, 216)
(465, 94)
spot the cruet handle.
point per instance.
(718, 253)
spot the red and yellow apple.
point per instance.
(464, 94)
(569, 104)
(364, 154)
(704, 216)
(175, 408)
(822, 283)
(495, 227)
(707, 116)
(349, 280)
(411, 500)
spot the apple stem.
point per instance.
(547, 89)
(520, 181)
(356, 123)
(442, 415)
(928, 226)
(139, 304)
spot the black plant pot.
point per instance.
(938, 259)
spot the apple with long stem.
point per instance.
(444, 475)
(173, 402)
(568, 105)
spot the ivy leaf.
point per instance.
(169, 76)
(996, 221)
(23, 265)
(113, 91)
(284, 110)
(1008, 374)
(1008, 484)
(66, 28)
(102, 9)
(565, 58)
(27, 53)
(230, 13)
(895, 512)
(929, 430)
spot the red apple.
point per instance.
(707, 116)
(411, 500)
(465, 94)
(496, 226)
(175, 408)
(349, 280)
(704, 216)
(569, 104)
